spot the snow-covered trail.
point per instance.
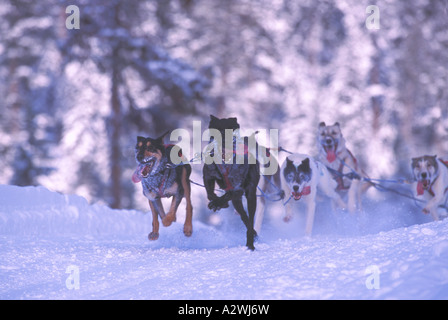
(51, 243)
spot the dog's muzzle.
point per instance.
(330, 146)
(423, 185)
(298, 195)
(143, 169)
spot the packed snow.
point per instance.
(55, 246)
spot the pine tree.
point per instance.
(28, 87)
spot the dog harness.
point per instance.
(162, 183)
(225, 170)
(157, 187)
(338, 175)
(159, 190)
(421, 189)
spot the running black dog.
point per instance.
(160, 178)
(237, 174)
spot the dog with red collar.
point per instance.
(300, 176)
(339, 159)
(431, 182)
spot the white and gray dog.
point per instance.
(341, 163)
(431, 182)
(301, 175)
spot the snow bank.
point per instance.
(50, 241)
(38, 211)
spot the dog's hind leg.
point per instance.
(353, 195)
(259, 213)
(188, 225)
(434, 214)
(251, 197)
(156, 210)
(328, 186)
(310, 212)
(250, 234)
(359, 197)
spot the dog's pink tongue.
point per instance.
(331, 155)
(136, 176)
(420, 188)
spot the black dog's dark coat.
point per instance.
(235, 179)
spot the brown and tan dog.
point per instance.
(161, 179)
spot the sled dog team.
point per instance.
(335, 172)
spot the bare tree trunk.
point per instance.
(115, 154)
(116, 117)
(374, 80)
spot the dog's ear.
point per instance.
(336, 124)
(306, 162)
(160, 139)
(234, 123)
(289, 162)
(436, 164)
(305, 165)
(213, 121)
(322, 124)
(140, 139)
(415, 161)
(432, 160)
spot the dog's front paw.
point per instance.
(153, 236)
(212, 205)
(168, 219)
(188, 230)
(217, 204)
(251, 238)
(281, 194)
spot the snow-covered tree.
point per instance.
(74, 99)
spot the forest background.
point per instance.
(74, 100)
